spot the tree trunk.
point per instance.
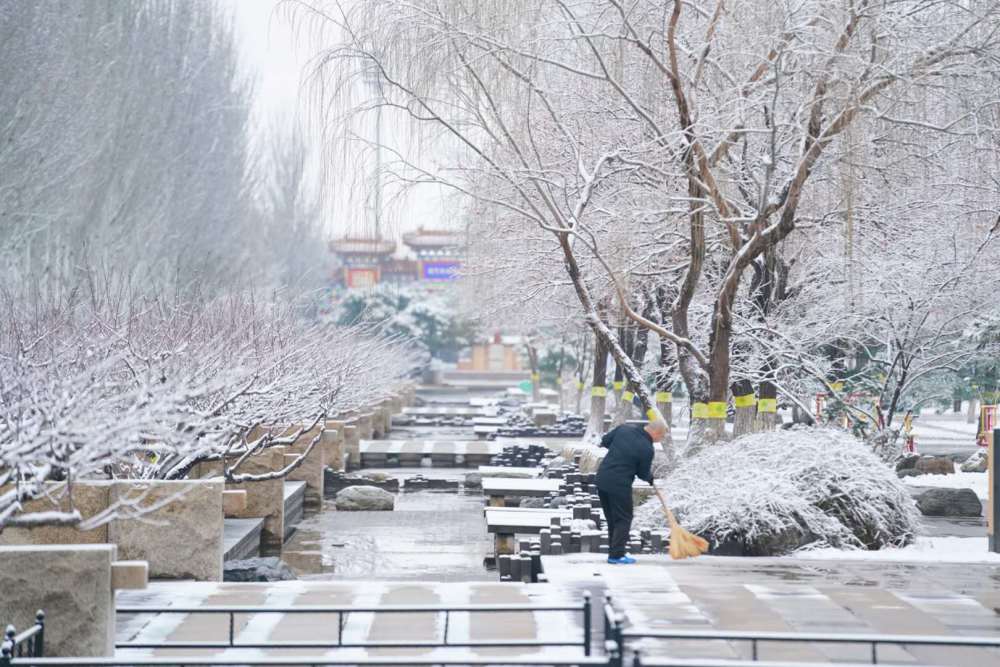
(971, 412)
(536, 378)
(598, 392)
(745, 407)
(767, 407)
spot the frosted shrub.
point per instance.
(772, 493)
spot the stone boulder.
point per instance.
(935, 465)
(257, 569)
(949, 502)
(364, 499)
(908, 472)
(473, 480)
(907, 462)
(978, 462)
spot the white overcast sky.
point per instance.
(275, 56)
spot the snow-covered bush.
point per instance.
(426, 314)
(772, 493)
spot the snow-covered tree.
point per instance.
(693, 150)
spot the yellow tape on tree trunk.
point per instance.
(767, 405)
(664, 397)
(618, 384)
(652, 414)
(579, 384)
(559, 381)
(535, 377)
(627, 397)
(744, 401)
(699, 411)
(837, 386)
(717, 410)
(598, 391)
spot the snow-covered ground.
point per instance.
(932, 549)
(977, 481)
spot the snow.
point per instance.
(777, 491)
(977, 481)
(929, 549)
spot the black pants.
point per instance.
(618, 513)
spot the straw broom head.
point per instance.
(683, 544)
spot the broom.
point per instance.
(682, 543)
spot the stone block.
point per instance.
(129, 575)
(265, 498)
(352, 445)
(72, 585)
(309, 470)
(333, 445)
(89, 497)
(183, 537)
(935, 465)
(366, 425)
(234, 502)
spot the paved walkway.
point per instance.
(432, 536)
(771, 594)
(358, 627)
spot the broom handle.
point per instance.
(666, 510)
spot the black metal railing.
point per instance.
(342, 612)
(29, 643)
(618, 639)
(421, 661)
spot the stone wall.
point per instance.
(183, 539)
(89, 497)
(333, 442)
(309, 470)
(72, 585)
(265, 499)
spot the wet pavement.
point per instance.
(431, 535)
(769, 594)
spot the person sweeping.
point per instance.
(630, 456)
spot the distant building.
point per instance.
(365, 263)
(439, 253)
(503, 354)
(361, 261)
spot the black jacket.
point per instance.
(630, 455)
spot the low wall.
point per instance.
(309, 470)
(265, 499)
(181, 540)
(89, 497)
(72, 585)
(333, 441)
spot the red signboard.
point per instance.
(362, 278)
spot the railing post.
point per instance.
(753, 649)
(447, 618)
(874, 653)
(232, 628)
(586, 623)
(7, 645)
(604, 614)
(340, 628)
(40, 637)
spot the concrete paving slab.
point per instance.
(784, 594)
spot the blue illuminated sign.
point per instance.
(440, 270)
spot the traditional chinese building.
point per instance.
(439, 253)
(367, 262)
(361, 260)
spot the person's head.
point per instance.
(657, 429)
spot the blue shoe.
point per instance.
(624, 560)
